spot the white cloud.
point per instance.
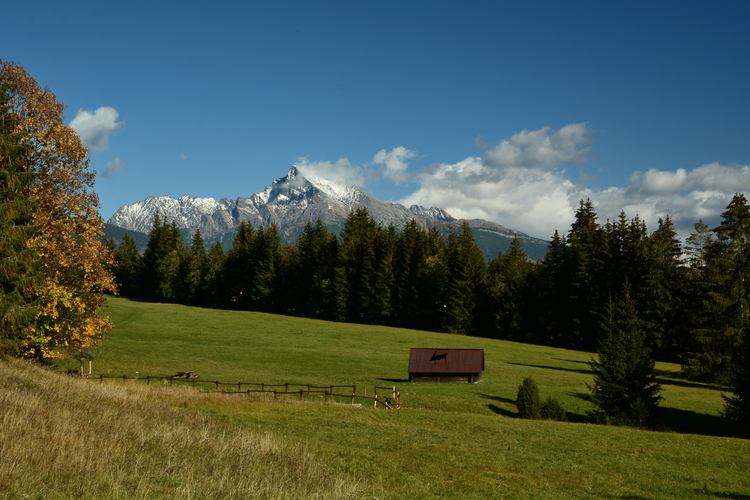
(540, 150)
(532, 201)
(393, 163)
(518, 184)
(712, 176)
(111, 168)
(341, 172)
(94, 128)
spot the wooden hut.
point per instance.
(446, 365)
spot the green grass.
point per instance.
(449, 440)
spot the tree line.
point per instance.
(691, 302)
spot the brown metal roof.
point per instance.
(446, 360)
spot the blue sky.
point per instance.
(508, 111)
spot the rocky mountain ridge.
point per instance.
(291, 201)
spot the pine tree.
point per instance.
(508, 276)
(20, 265)
(589, 283)
(215, 289)
(313, 271)
(661, 297)
(239, 267)
(357, 261)
(266, 257)
(624, 390)
(129, 269)
(196, 270)
(552, 290)
(432, 286)
(410, 254)
(737, 404)
(721, 318)
(467, 283)
(163, 260)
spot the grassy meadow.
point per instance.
(447, 441)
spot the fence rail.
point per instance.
(327, 391)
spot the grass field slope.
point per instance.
(459, 441)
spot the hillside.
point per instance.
(449, 440)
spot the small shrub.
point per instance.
(553, 410)
(527, 400)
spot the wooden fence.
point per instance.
(390, 400)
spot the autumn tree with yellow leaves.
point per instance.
(72, 264)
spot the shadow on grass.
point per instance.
(558, 368)
(708, 493)
(672, 419)
(690, 422)
(721, 494)
(572, 361)
(395, 380)
(497, 409)
(668, 378)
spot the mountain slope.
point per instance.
(292, 200)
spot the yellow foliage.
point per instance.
(77, 263)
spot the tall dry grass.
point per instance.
(63, 437)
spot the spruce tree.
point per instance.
(721, 318)
(552, 290)
(467, 283)
(357, 259)
(589, 277)
(196, 270)
(624, 390)
(737, 404)
(215, 289)
(408, 262)
(20, 265)
(312, 270)
(239, 267)
(661, 295)
(129, 269)
(266, 256)
(508, 276)
(432, 285)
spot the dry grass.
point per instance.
(62, 437)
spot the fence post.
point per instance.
(376, 401)
(217, 385)
(148, 379)
(274, 394)
(101, 377)
(301, 392)
(353, 397)
(325, 398)
(239, 386)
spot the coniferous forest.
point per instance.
(691, 302)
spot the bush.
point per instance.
(527, 400)
(553, 410)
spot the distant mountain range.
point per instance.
(291, 201)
